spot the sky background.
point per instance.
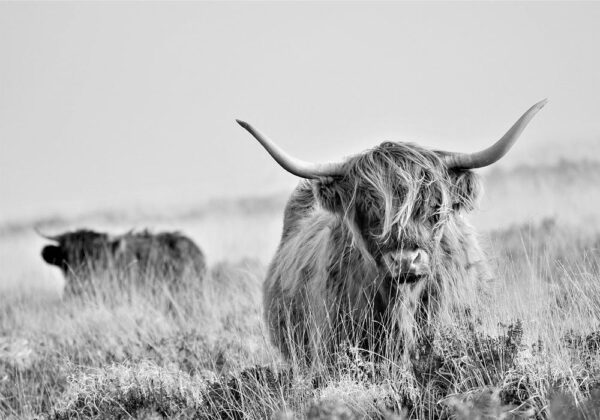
(109, 105)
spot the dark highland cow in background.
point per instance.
(145, 258)
(375, 247)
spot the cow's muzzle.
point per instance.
(406, 265)
(53, 255)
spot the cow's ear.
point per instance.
(330, 193)
(467, 189)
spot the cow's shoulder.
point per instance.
(300, 204)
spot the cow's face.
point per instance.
(75, 250)
(397, 200)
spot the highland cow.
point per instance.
(146, 258)
(375, 247)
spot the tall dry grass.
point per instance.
(530, 348)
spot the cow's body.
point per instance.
(141, 257)
(325, 287)
(374, 247)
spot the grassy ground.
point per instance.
(530, 350)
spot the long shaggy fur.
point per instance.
(325, 285)
(144, 257)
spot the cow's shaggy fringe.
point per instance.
(324, 288)
(407, 182)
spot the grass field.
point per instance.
(530, 350)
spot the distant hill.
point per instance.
(244, 206)
(568, 191)
(565, 189)
(563, 172)
(551, 152)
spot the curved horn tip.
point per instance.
(244, 124)
(37, 230)
(495, 152)
(541, 104)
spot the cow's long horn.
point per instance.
(497, 150)
(43, 235)
(291, 164)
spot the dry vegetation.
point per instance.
(529, 349)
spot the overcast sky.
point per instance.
(112, 104)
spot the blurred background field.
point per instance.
(565, 191)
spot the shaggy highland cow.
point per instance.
(375, 246)
(149, 259)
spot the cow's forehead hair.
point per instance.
(403, 179)
(397, 159)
